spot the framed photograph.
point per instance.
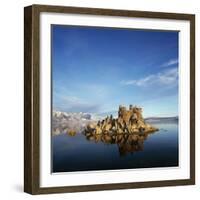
(109, 99)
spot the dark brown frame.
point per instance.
(32, 104)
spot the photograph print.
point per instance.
(115, 97)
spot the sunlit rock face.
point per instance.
(129, 121)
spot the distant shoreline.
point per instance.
(162, 119)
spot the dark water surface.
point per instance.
(76, 153)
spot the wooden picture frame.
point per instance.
(32, 97)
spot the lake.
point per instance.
(77, 153)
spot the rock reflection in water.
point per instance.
(127, 143)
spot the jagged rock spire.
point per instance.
(129, 121)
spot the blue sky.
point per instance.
(95, 70)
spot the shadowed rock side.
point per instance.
(128, 122)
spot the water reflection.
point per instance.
(127, 143)
(116, 151)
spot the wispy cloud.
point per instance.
(73, 104)
(99, 91)
(168, 78)
(170, 62)
(82, 107)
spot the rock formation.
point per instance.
(128, 122)
(128, 131)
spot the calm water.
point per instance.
(76, 153)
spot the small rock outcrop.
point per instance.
(129, 121)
